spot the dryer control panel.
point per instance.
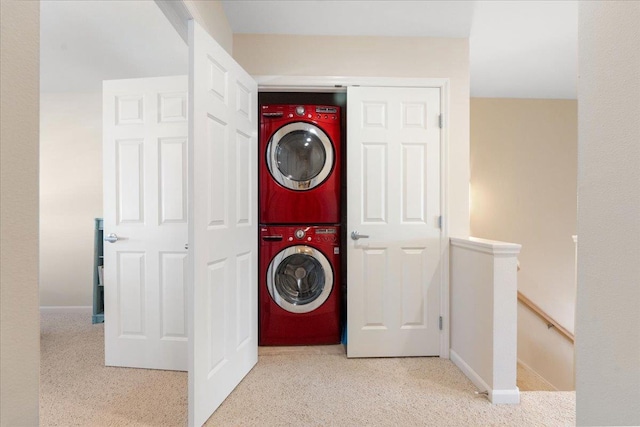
(300, 234)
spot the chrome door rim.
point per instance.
(326, 267)
(287, 182)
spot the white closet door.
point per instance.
(145, 131)
(393, 178)
(223, 234)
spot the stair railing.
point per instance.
(551, 322)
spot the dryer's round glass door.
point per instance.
(300, 156)
(299, 279)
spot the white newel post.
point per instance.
(484, 295)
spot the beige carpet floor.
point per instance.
(301, 386)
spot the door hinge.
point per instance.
(441, 121)
(440, 323)
(440, 222)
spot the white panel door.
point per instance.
(393, 199)
(223, 233)
(145, 129)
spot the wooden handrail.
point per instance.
(551, 322)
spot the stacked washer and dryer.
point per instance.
(299, 233)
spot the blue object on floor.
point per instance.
(344, 334)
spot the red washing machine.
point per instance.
(300, 165)
(299, 285)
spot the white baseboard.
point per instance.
(85, 309)
(469, 372)
(495, 396)
(505, 397)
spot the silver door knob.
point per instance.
(355, 235)
(111, 238)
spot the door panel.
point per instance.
(173, 295)
(145, 201)
(173, 180)
(374, 183)
(129, 170)
(394, 274)
(223, 225)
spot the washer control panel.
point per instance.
(314, 113)
(326, 235)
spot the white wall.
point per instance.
(284, 55)
(19, 318)
(471, 308)
(608, 309)
(70, 195)
(484, 315)
(523, 189)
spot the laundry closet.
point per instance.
(389, 239)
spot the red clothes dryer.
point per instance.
(299, 295)
(300, 164)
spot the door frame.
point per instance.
(178, 14)
(268, 83)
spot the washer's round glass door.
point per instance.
(300, 156)
(299, 279)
